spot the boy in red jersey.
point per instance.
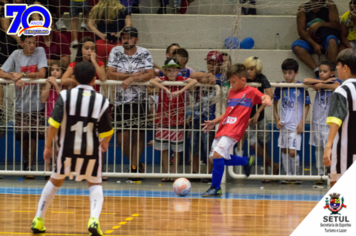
(170, 114)
(232, 126)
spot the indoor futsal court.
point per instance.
(152, 208)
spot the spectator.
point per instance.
(204, 109)
(291, 119)
(318, 28)
(111, 17)
(29, 62)
(227, 62)
(169, 54)
(133, 6)
(130, 63)
(257, 121)
(249, 10)
(77, 6)
(56, 47)
(180, 6)
(86, 52)
(8, 43)
(347, 28)
(182, 56)
(171, 102)
(49, 95)
(320, 130)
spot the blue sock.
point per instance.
(236, 161)
(218, 171)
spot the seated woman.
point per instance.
(347, 28)
(110, 17)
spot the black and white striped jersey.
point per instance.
(83, 118)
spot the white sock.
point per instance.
(96, 200)
(48, 193)
(295, 164)
(286, 164)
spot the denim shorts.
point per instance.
(201, 142)
(304, 44)
(78, 7)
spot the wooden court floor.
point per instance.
(68, 215)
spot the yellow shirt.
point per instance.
(346, 19)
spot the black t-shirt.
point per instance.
(114, 26)
(261, 78)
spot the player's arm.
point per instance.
(67, 79)
(54, 124)
(266, 100)
(311, 81)
(143, 77)
(275, 110)
(337, 114)
(104, 127)
(204, 78)
(100, 70)
(158, 83)
(190, 83)
(327, 86)
(114, 75)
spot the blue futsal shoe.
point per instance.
(212, 192)
(248, 166)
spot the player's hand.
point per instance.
(208, 125)
(279, 125)
(176, 94)
(254, 119)
(300, 128)
(104, 145)
(47, 154)
(126, 83)
(327, 156)
(313, 28)
(20, 84)
(317, 49)
(266, 100)
(93, 56)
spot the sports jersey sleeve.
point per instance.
(338, 109)
(277, 94)
(258, 95)
(104, 125)
(57, 114)
(307, 97)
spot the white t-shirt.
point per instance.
(140, 61)
(18, 62)
(292, 105)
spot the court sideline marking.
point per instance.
(121, 223)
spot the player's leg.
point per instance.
(48, 193)
(96, 204)
(124, 137)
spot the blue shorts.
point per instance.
(304, 44)
(78, 7)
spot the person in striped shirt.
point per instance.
(340, 151)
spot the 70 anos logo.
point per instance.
(21, 14)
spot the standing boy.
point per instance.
(320, 130)
(342, 118)
(291, 120)
(170, 114)
(232, 126)
(81, 119)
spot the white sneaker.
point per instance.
(60, 25)
(74, 44)
(84, 26)
(285, 182)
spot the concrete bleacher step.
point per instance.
(207, 31)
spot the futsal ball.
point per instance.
(182, 186)
(232, 43)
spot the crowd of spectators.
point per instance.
(116, 56)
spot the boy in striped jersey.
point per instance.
(342, 114)
(81, 119)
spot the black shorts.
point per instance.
(131, 115)
(30, 124)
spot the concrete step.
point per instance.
(207, 31)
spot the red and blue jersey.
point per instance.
(238, 110)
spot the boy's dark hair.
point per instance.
(237, 69)
(290, 64)
(330, 64)
(84, 72)
(169, 47)
(85, 39)
(23, 37)
(352, 2)
(181, 52)
(348, 57)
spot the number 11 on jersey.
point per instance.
(78, 128)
